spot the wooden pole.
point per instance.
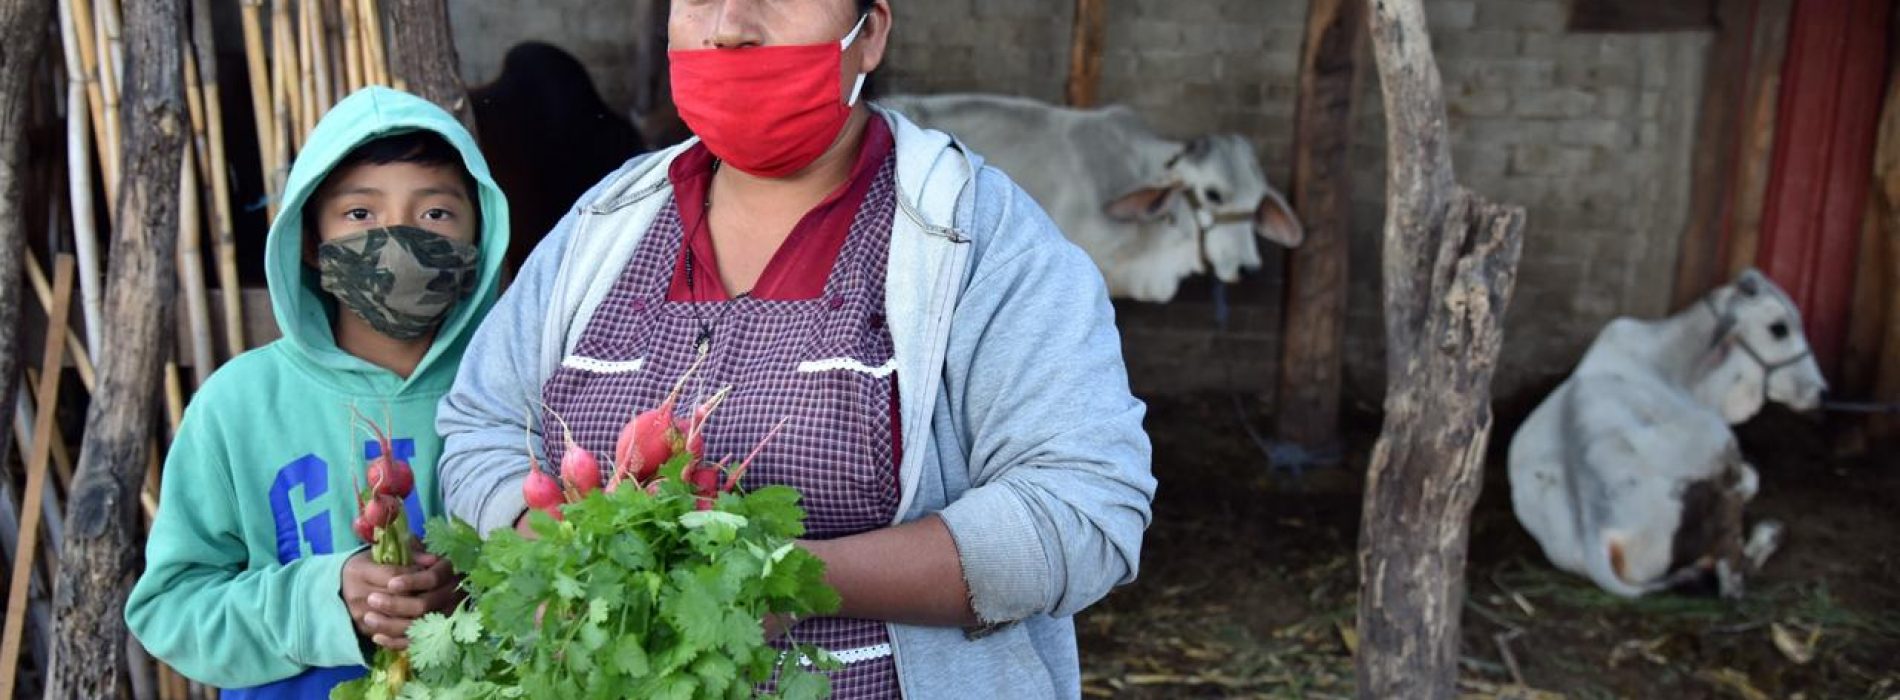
(1085, 51)
(257, 66)
(285, 136)
(52, 358)
(1699, 262)
(43, 290)
(1756, 147)
(100, 553)
(40, 618)
(319, 40)
(426, 62)
(333, 49)
(1315, 336)
(1450, 263)
(22, 36)
(306, 73)
(216, 171)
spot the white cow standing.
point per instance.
(1149, 211)
(1629, 473)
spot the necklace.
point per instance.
(703, 343)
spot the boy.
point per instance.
(383, 259)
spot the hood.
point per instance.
(304, 311)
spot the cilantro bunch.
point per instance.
(630, 594)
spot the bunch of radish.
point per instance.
(382, 523)
(648, 442)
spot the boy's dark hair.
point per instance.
(415, 147)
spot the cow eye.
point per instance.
(1213, 196)
(1779, 330)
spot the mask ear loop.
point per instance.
(858, 88)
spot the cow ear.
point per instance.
(1275, 221)
(1145, 204)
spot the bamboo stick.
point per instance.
(81, 89)
(283, 98)
(215, 172)
(284, 73)
(333, 48)
(52, 358)
(62, 457)
(319, 58)
(352, 46)
(306, 77)
(104, 124)
(375, 51)
(191, 271)
(44, 292)
(255, 63)
(111, 75)
(39, 616)
(166, 683)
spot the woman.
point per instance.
(972, 462)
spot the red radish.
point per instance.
(391, 476)
(578, 466)
(364, 530)
(542, 491)
(381, 510)
(645, 443)
(387, 475)
(732, 477)
(580, 469)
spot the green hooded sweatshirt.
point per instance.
(242, 587)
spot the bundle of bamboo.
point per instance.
(318, 51)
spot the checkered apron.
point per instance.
(826, 364)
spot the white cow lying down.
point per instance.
(1629, 473)
(1148, 210)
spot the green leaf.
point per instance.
(568, 587)
(350, 690)
(716, 673)
(467, 627)
(798, 684)
(630, 657)
(431, 642)
(695, 614)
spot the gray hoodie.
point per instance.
(1033, 453)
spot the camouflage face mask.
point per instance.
(402, 280)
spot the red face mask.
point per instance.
(769, 111)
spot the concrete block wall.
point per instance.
(1591, 132)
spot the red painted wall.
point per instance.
(1829, 112)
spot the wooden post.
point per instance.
(1085, 51)
(257, 66)
(1450, 262)
(22, 36)
(1756, 147)
(1310, 366)
(1700, 263)
(100, 556)
(43, 437)
(426, 59)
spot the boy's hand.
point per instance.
(387, 599)
(362, 579)
(430, 586)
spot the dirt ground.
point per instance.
(1247, 586)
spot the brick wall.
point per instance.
(1591, 132)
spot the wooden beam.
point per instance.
(1450, 263)
(1755, 150)
(1085, 51)
(1307, 412)
(42, 449)
(425, 57)
(1699, 264)
(99, 557)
